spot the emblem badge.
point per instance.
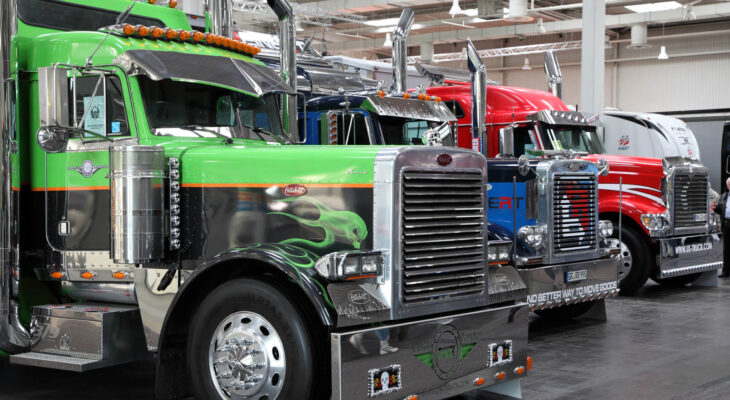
(88, 169)
(446, 353)
(444, 160)
(294, 190)
(358, 296)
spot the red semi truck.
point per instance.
(667, 232)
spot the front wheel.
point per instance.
(248, 341)
(635, 261)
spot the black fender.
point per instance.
(269, 259)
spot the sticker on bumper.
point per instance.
(500, 353)
(384, 380)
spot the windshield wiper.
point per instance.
(259, 130)
(194, 128)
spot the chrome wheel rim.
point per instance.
(246, 358)
(626, 261)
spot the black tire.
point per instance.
(641, 264)
(677, 281)
(258, 297)
(566, 312)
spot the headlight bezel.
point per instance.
(499, 252)
(533, 236)
(351, 265)
(605, 228)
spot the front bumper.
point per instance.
(435, 358)
(685, 255)
(548, 286)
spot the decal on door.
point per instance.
(624, 142)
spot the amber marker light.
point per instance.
(500, 376)
(412, 397)
(529, 363)
(210, 38)
(153, 1)
(198, 36)
(406, 95)
(381, 93)
(157, 32)
(87, 275)
(421, 96)
(173, 4)
(170, 34)
(427, 98)
(520, 370)
(119, 275)
(479, 381)
(129, 29)
(143, 30)
(437, 99)
(57, 275)
(218, 40)
(184, 35)
(226, 42)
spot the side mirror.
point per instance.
(52, 139)
(507, 142)
(523, 165)
(603, 167)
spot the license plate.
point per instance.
(384, 380)
(575, 276)
(500, 353)
(699, 217)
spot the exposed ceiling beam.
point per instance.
(612, 21)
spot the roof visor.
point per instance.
(216, 70)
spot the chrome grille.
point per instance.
(574, 212)
(443, 253)
(690, 198)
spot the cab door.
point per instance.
(77, 189)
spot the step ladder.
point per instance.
(84, 336)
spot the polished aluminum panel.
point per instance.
(104, 292)
(155, 304)
(689, 254)
(505, 285)
(548, 287)
(437, 358)
(137, 203)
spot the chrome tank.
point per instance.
(137, 203)
(553, 74)
(13, 337)
(400, 51)
(288, 48)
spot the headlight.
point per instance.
(654, 222)
(605, 229)
(498, 252)
(345, 266)
(532, 235)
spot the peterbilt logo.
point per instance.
(444, 160)
(358, 297)
(294, 190)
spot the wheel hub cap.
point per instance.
(625, 259)
(247, 358)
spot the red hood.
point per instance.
(641, 178)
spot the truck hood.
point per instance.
(638, 176)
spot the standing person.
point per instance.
(723, 208)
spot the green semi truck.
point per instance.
(153, 204)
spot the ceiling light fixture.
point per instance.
(351, 35)
(382, 22)
(461, 25)
(689, 12)
(526, 66)
(456, 9)
(663, 54)
(388, 40)
(540, 26)
(517, 11)
(650, 7)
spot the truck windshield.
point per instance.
(404, 131)
(576, 138)
(189, 109)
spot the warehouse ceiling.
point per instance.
(359, 27)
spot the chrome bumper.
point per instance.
(547, 287)
(435, 358)
(688, 255)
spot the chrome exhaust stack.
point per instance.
(553, 74)
(13, 336)
(400, 51)
(288, 49)
(221, 17)
(478, 97)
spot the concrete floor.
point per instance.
(662, 344)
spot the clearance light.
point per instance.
(412, 397)
(218, 40)
(87, 275)
(500, 376)
(153, 1)
(173, 4)
(427, 98)
(529, 363)
(157, 32)
(210, 38)
(198, 36)
(129, 29)
(184, 35)
(381, 93)
(406, 95)
(119, 275)
(520, 370)
(57, 275)
(437, 99)
(170, 34)
(479, 381)
(143, 31)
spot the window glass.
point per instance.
(455, 108)
(190, 109)
(352, 129)
(102, 112)
(569, 137)
(523, 141)
(403, 131)
(63, 16)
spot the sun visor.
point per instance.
(414, 109)
(442, 74)
(223, 71)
